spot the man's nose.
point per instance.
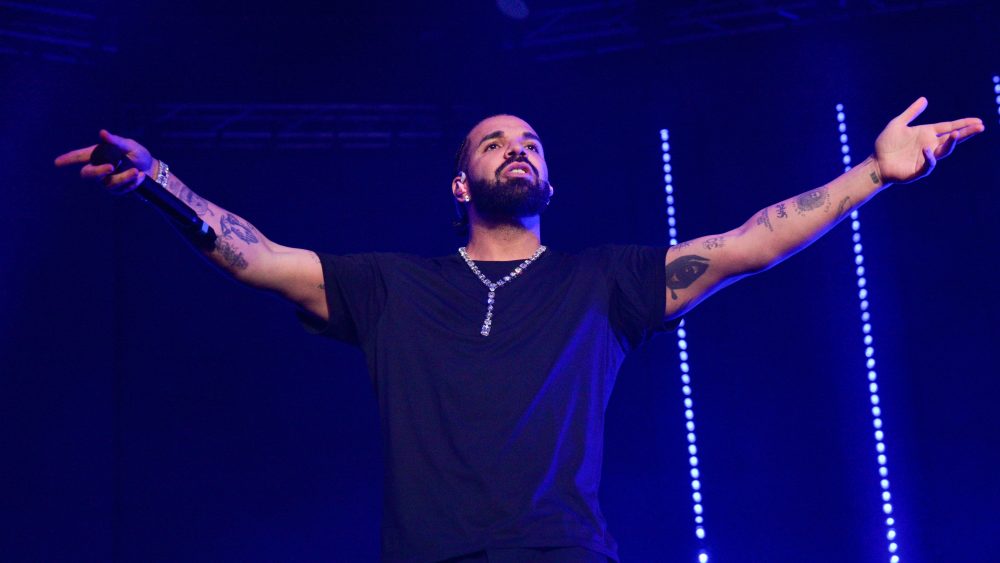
(515, 148)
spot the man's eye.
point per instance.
(492, 146)
(533, 147)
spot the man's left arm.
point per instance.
(698, 268)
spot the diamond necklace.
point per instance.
(491, 296)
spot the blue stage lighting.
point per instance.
(996, 90)
(868, 339)
(682, 346)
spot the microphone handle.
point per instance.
(153, 193)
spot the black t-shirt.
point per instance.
(494, 441)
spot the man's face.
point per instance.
(507, 174)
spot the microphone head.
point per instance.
(106, 153)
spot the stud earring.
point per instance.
(467, 198)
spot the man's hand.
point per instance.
(905, 154)
(121, 183)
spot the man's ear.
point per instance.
(459, 187)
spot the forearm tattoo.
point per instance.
(844, 207)
(875, 178)
(782, 214)
(683, 271)
(811, 200)
(764, 219)
(232, 225)
(194, 201)
(233, 258)
(714, 242)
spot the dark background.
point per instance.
(152, 410)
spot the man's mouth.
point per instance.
(519, 169)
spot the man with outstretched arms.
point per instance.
(493, 366)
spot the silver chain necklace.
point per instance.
(491, 296)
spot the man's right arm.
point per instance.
(244, 253)
(241, 250)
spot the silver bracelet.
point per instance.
(163, 178)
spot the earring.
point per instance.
(461, 176)
(467, 199)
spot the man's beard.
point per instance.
(506, 199)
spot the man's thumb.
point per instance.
(120, 142)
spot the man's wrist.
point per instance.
(875, 174)
(154, 171)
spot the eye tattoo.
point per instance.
(682, 272)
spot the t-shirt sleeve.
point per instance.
(355, 297)
(638, 292)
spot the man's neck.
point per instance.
(503, 241)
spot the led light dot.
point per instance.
(868, 339)
(682, 353)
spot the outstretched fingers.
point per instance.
(915, 109)
(946, 127)
(75, 157)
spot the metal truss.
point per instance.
(291, 126)
(58, 34)
(565, 29)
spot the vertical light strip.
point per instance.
(996, 90)
(866, 330)
(699, 518)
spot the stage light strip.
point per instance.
(996, 90)
(699, 518)
(866, 329)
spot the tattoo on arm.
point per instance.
(875, 178)
(321, 286)
(684, 244)
(234, 258)
(844, 207)
(764, 219)
(782, 214)
(820, 197)
(714, 242)
(683, 271)
(232, 225)
(194, 201)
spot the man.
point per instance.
(493, 366)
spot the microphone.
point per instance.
(151, 192)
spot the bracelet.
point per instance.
(163, 178)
